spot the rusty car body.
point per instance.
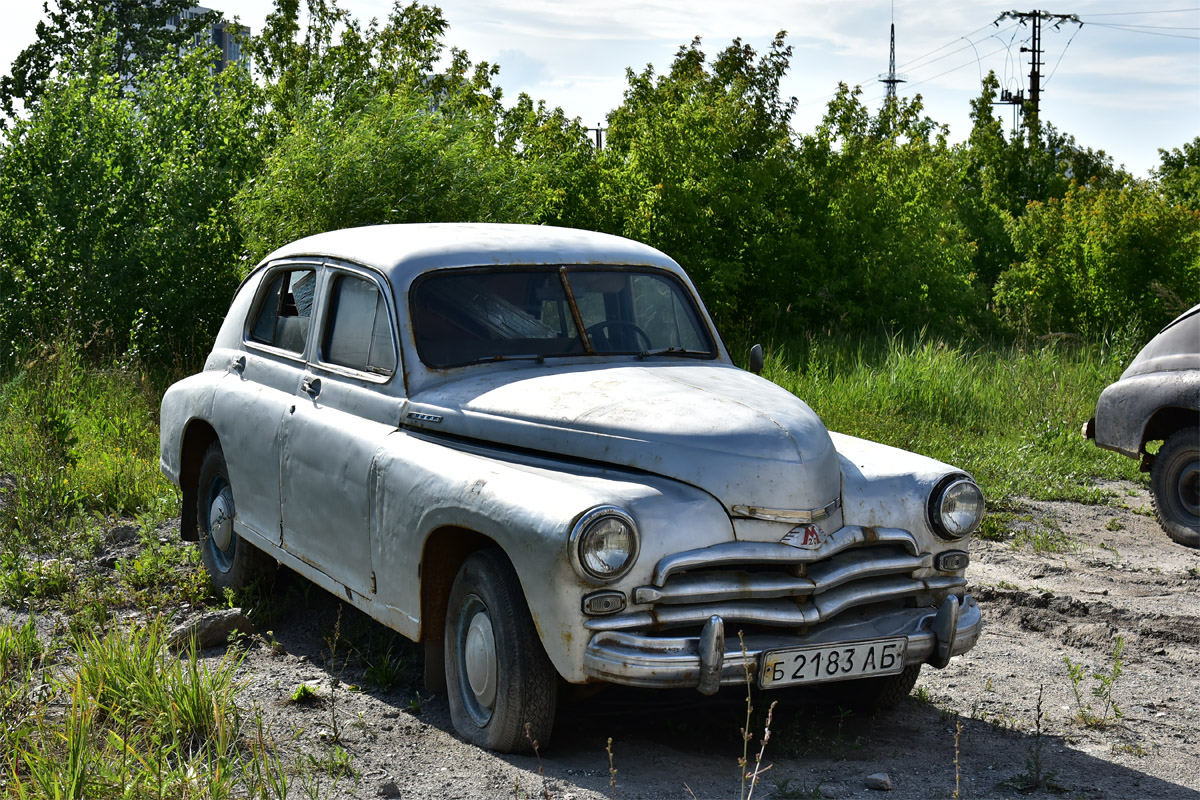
(1157, 401)
(528, 448)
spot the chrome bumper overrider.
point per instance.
(717, 657)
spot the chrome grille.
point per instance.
(778, 585)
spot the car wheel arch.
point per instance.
(1165, 421)
(444, 552)
(197, 438)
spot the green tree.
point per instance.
(1179, 174)
(880, 240)
(115, 215)
(71, 27)
(1099, 255)
(561, 161)
(1001, 176)
(396, 161)
(370, 132)
(699, 162)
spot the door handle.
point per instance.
(311, 386)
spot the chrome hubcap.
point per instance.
(220, 519)
(479, 660)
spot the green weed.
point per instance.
(1036, 775)
(1045, 538)
(1106, 683)
(305, 694)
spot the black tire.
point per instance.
(886, 691)
(1175, 486)
(498, 676)
(231, 562)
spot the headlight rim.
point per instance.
(938, 495)
(580, 528)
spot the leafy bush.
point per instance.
(1098, 255)
(115, 209)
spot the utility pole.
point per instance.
(1035, 60)
(599, 135)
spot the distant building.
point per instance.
(223, 35)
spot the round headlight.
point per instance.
(604, 544)
(956, 507)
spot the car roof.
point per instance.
(405, 251)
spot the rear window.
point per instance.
(284, 310)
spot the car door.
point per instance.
(347, 403)
(259, 388)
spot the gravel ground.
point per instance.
(973, 727)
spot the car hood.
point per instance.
(739, 437)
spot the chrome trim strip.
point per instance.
(784, 613)
(663, 661)
(709, 587)
(762, 553)
(788, 514)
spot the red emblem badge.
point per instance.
(806, 536)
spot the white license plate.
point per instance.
(834, 662)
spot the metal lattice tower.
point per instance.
(890, 78)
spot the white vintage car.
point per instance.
(528, 448)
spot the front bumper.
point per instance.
(717, 658)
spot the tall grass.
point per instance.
(1009, 414)
(76, 441)
(122, 717)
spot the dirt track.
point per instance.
(1119, 579)
(1116, 574)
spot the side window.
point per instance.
(358, 331)
(285, 310)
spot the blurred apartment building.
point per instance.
(224, 35)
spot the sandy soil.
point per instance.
(973, 727)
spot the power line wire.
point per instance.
(1141, 13)
(1152, 27)
(952, 69)
(1060, 56)
(1137, 30)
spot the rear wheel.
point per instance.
(498, 676)
(1175, 486)
(230, 561)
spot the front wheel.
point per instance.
(230, 561)
(882, 692)
(1175, 486)
(498, 676)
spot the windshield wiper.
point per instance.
(681, 352)
(539, 358)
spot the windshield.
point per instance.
(467, 316)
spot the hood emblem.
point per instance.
(807, 537)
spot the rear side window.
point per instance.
(284, 311)
(358, 333)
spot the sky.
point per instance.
(1126, 82)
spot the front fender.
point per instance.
(1125, 407)
(885, 487)
(527, 505)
